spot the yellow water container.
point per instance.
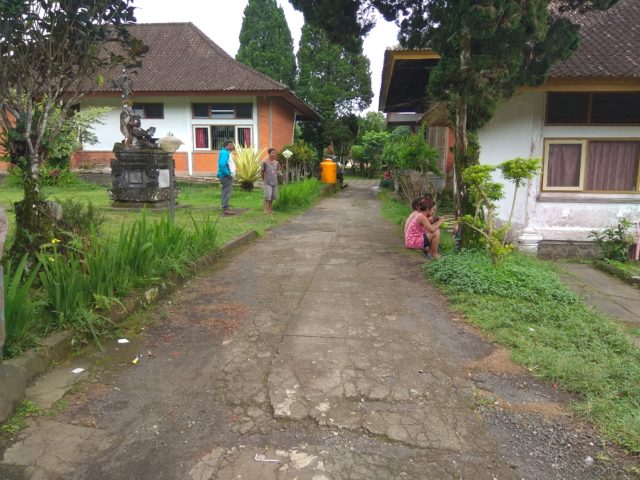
(328, 171)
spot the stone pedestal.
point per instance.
(141, 177)
(528, 241)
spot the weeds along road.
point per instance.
(317, 352)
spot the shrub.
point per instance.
(80, 220)
(84, 275)
(614, 241)
(247, 162)
(297, 195)
(49, 177)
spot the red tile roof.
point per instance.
(609, 47)
(182, 59)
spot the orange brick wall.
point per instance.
(281, 123)
(85, 159)
(203, 162)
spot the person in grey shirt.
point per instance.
(269, 172)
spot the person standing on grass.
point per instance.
(225, 165)
(269, 173)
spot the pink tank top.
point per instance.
(414, 236)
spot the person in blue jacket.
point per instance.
(225, 169)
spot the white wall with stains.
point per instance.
(518, 130)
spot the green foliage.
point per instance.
(18, 421)
(247, 162)
(51, 54)
(519, 170)
(487, 49)
(80, 277)
(387, 183)
(297, 195)
(357, 153)
(49, 177)
(303, 162)
(371, 122)
(77, 129)
(523, 305)
(22, 307)
(484, 192)
(337, 83)
(79, 219)
(404, 150)
(614, 241)
(265, 41)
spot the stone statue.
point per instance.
(134, 135)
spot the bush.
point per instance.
(614, 242)
(523, 304)
(80, 220)
(49, 177)
(387, 183)
(82, 276)
(297, 195)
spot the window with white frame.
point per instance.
(598, 165)
(212, 137)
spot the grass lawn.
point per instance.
(197, 200)
(521, 303)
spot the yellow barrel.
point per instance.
(328, 171)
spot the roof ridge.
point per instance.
(239, 63)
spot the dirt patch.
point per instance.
(497, 362)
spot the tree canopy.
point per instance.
(51, 53)
(336, 82)
(488, 48)
(265, 41)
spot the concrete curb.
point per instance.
(18, 373)
(621, 274)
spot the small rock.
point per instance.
(588, 461)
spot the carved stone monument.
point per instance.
(141, 171)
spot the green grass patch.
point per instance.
(19, 419)
(524, 306)
(76, 279)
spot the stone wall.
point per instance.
(567, 249)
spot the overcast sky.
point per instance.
(221, 20)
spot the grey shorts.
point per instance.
(270, 192)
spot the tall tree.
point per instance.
(337, 83)
(488, 48)
(51, 53)
(265, 41)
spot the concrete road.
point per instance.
(318, 352)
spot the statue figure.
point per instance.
(134, 134)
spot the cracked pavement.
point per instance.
(317, 352)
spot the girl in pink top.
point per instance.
(421, 233)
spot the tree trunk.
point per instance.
(461, 148)
(34, 223)
(3, 235)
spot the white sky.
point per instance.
(221, 21)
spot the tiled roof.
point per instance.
(609, 47)
(182, 59)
